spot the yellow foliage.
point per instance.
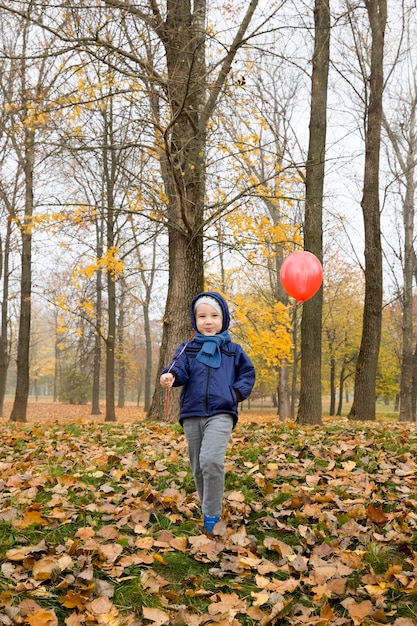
(35, 116)
(262, 326)
(87, 307)
(109, 262)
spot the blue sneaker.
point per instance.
(209, 522)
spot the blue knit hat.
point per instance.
(215, 300)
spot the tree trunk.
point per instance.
(109, 165)
(414, 388)
(406, 383)
(294, 326)
(363, 406)
(407, 162)
(57, 363)
(138, 392)
(183, 171)
(110, 346)
(95, 395)
(147, 278)
(188, 281)
(183, 167)
(310, 407)
(332, 386)
(19, 409)
(121, 348)
(148, 357)
(341, 386)
(4, 340)
(284, 404)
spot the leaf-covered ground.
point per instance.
(99, 524)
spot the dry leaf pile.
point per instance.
(99, 524)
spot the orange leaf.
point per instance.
(73, 600)
(327, 613)
(376, 515)
(42, 618)
(29, 518)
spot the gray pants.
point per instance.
(207, 439)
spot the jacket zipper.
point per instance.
(207, 391)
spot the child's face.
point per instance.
(208, 321)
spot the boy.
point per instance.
(215, 374)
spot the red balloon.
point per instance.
(301, 275)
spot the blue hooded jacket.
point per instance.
(207, 391)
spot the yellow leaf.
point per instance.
(42, 618)
(159, 558)
(261, 597)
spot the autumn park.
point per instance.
(263, 154)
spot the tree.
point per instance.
(399, 123)
(310, 408)
(363, 406)
(34, 83)
(4, 324)
(191, 103)
(407, 163)
(147, 278)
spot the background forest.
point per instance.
(150, 150)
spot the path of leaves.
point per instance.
(99, 525)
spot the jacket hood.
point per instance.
(222, 303)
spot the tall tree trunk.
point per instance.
(183, 166)
(147, 278)
(148, 357)
(407, 162)
(110, 347)
(363, 406)
(57, 360)
(95, 394)
(109, 165)
(341, 386)
(310, 408)
(406, 384)
(294, 326)
(414, 387)
(284, 404)
(121, 347)
(4, 339)
(19, 409)
(188, 281)
(184, 178)
(332, 386)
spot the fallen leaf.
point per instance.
(42, 618)
(376, 515)
(156, 616)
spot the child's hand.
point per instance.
(167, 380)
